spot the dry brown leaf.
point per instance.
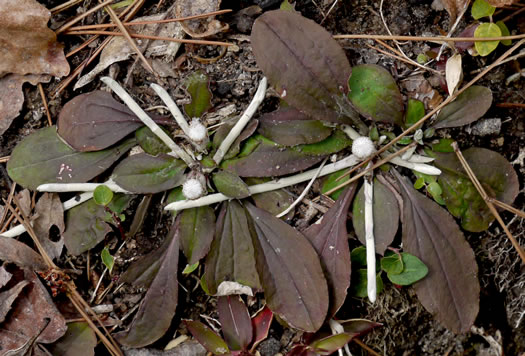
(8, 297)
(501, 3)
(454, 8)
(14, 251)
(24, 201)
(50, 212)
(4, 276)
(26, 44)
(28, 316)
(199, 28)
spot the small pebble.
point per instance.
(486, 127)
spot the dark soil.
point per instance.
(407, 328)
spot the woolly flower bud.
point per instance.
(197, 132)
(192, 189)
(363, 147)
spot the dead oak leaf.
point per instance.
(50, 212)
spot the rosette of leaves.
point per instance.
(307, 67)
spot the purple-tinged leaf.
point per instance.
(145, 174)
(79, 340)
(207, 338)
(197, 86)
(94, 121)
(330, 344)
(235, 321)
(330, 239)
(304, 63)
(358, 327)
(301, 350)
(275, 202)
(375, 94)
(467, 32)
(261, 325)
(496, 174)
(14, 251)
(386, 216)
(450, 291)
(468, 107)
(158, 306)
(86, 224)
(231, 256)
(270, 159)
(197, 227)
(225, 129)
(291, 274)
(230, 184)
(290, 127)
(42, 158)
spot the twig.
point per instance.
(453, 28)
(510, 105)
(268, 186)
(80, 17)
(151, 22)
(408, 61)
(430, 39)
(130, 40)
(44, 101)
(64, 6)
(4, 159)
(485, 197)
(243, 121)
(136, 35)
(141, 114)
(304, 192)
(507, 207)
(365, 347)
(4, 214)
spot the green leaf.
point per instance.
(145, 174)
(330, 344)
(197, 85)
(443, 145)
(207, 338)
(79, 340)
(494, 172)
(415, 111)
(150, 142)
(235, 148)
(359, 284)
(481, 8)
(392, 263)
(197, 227)
(385, 211)
(230, 184)
(413, 271)
(419, 183)
(102, 195)
(86, 224)
(304, 63)
(504, 32)
(468, 107)
(42, 157)
(107, 259)
(331, 181)
(484, 48)
(435, 190)
(190, 268)
(358, 257)
(375, 95)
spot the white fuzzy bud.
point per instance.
(192, 189)
(363, 147)
(197, 132)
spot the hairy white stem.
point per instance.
(369, 236)
(350, 132)
(337, 328)
(68, 204)
(418, 167)
(141, 114)
(268, 186)
(172, 107)
(243, 121)
(305, 191)
(79, 187)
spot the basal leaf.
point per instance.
(197, 86)
(375, 95)
(413, 271)
(231, 256)
(486, 29)
(270, 159)
(330, 344)
(86, 224)
(415, 111)
(332, 180)
(42, 158)
(450, 291)
(94, 121)
(79, 340)
(358, 327)
(197, 227)
(145, 174)
(225, 128)
(230, 184)
(274, 202)
(468, 107)
(290, 127)
(304, 63)
(150, 142)
(292, 277)
(330, 240)
(261, 325)
(207, 338)
(235, 321)
(158, 306)
(386, 216)
(494, 172)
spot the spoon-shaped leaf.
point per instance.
(230, 184)
(197, 227)
(235, 321)
(468, 107)
(197, 86)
